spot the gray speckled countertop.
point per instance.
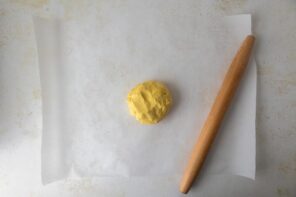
(20, 107)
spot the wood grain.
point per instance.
(218, 110)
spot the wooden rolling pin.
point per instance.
(215, 117)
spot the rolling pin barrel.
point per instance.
(217, 112)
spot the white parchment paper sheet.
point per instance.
(87, 67)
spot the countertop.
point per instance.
(21, 116)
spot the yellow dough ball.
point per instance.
(149, 102)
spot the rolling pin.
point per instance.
(217, 112)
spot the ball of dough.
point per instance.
(149, 102)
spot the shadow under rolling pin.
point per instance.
(218, 110)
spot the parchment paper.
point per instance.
(88, 65)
